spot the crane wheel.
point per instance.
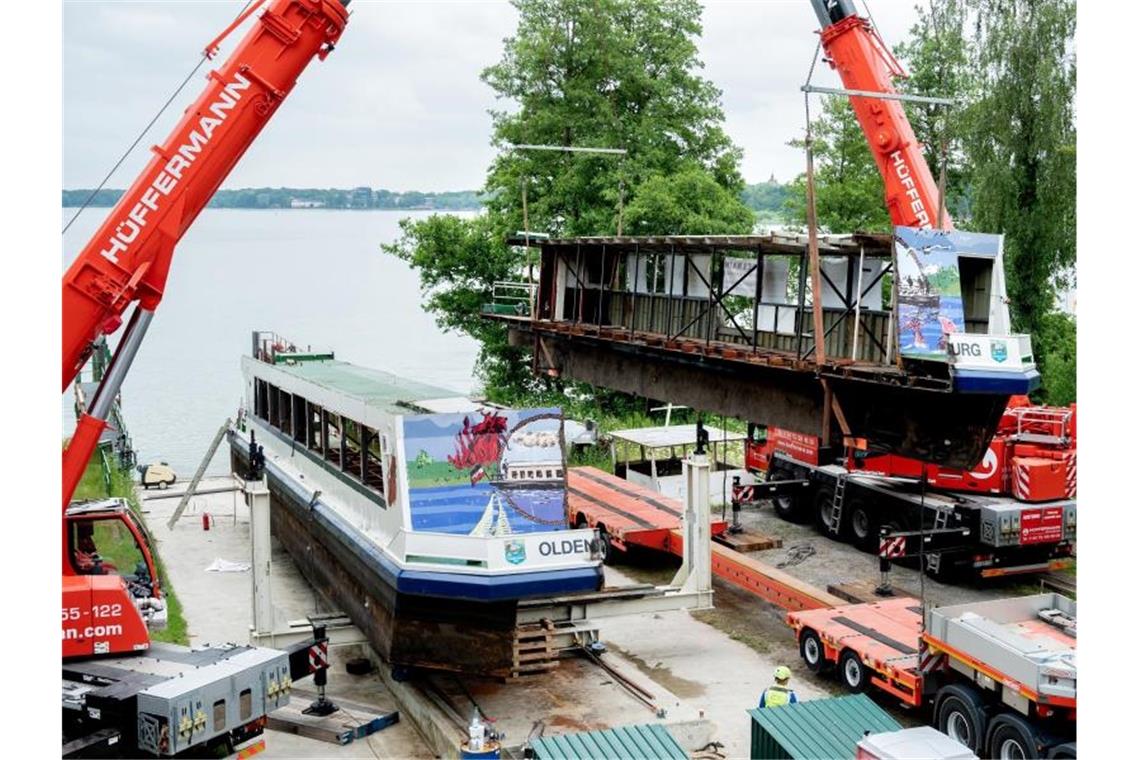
(789, 506)
(862, 525)
(812, 652)
(821, 508)
(852, 672)
(1012, 737)
(960, 713)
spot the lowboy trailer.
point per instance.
(1000, 676)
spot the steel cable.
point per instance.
(141, 135)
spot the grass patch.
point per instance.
(119, 548)
(723, 621)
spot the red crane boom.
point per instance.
(855, 50)
(128, 258)
(106, 608)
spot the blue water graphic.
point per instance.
(457, 509)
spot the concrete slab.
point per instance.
(704, 669)
(710, 670)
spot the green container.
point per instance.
(820, 729)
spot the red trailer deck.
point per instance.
(624, 513)
(1000, 676)
(884, 636)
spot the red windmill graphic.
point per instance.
(479, 445)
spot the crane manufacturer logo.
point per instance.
(127, 231)
(907, 178)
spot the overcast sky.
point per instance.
(399, 104)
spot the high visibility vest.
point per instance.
(776, 696)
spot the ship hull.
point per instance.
(412, 618)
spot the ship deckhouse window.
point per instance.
(335, 442)
(271, 404)
(260, 399)
(373, 460)
(300, 418)
(350, 435)
(285, 413)
(316, 438)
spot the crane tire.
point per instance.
(862, 525)
(790, 506)
(960, 713)
(821, 511)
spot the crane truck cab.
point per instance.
(113, 596)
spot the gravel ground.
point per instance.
(760, 625)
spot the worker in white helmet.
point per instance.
(778, 694)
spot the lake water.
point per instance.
(317, 277)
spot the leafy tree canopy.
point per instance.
(584, 73)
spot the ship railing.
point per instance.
(512, 298)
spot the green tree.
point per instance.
(586, 73)
(848, 186)
(689, 201)
(937, 56)
(1055, 346)
(1021, 147)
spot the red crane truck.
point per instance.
(121, 694)
(1015, 511)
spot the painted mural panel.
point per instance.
(930, 286)
(490, 473)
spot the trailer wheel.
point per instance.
(960, 713)
(821, 510)
(581, 521)
(1012, 737)
(862, 524)
(811, 650)
(852, 672)
(1066, 751)
(789, 506)
(605, 545)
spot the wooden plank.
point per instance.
(193, 487)
(761, 579)
(862, 592)
(749, 541)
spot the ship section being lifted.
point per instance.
(724, 324)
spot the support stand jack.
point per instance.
(736, 527)
(884, 587)
(319, 663)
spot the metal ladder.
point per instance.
(941, 521)
(837, 504)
